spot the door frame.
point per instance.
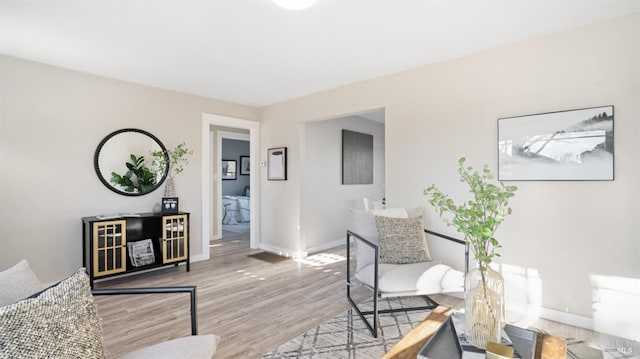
(211, 174)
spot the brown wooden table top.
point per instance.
(410, 345)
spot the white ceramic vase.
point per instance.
(170, 188)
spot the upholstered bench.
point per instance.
(62, 321)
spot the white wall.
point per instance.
(325, 202)
(51, 121)
(436, 114)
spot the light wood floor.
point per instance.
(252, 304)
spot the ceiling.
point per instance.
(253, 53)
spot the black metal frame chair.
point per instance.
(156, 290)
(431, 304)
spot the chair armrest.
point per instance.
(455, 240)
(373, 246)
(156, 290)
(362, 239)
(376, 254)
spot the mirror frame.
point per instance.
(108, 184)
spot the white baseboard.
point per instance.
(567, 318)
(325, 246)
(283, 251)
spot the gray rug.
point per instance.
(345, 336)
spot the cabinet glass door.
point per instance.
(109, 243)
(174, 238)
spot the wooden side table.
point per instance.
(409, 346)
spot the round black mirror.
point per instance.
(124, 162)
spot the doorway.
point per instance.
(212, 175)
(322, 173)
(235, 184)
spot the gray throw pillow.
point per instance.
(402, 240)
(60, 322)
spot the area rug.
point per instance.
(346, 337)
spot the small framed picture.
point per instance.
(245, 165)
(277, 164)
(169, 205)
(228, 169)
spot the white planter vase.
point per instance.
(169, 188)
(484, 307)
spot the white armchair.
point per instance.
(380, 268)
(370, 203)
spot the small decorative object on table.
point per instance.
(468, 350)
(499, 351)
(169, 205)
(478, 220)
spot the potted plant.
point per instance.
(478, 219)
(176, 160)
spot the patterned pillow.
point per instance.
(402, 240)
(61, 322)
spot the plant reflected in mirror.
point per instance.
(138, 178)
(125, 165)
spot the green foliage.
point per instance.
(478, 218)
(138, 177)
(177, 159)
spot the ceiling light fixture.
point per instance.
(294, 4)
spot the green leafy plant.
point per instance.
(479, 218)
(175, 158)
(139, 178)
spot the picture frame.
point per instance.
(357, 158)
(571, 145)
(245, 165)
(170, 205)
(277, 164)
(229, 170)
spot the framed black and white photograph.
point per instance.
(245, 165)
(228, 169)
(277, 164)
(572, 145)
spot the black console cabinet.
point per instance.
(115, 246)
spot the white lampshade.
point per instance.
(294, 4)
